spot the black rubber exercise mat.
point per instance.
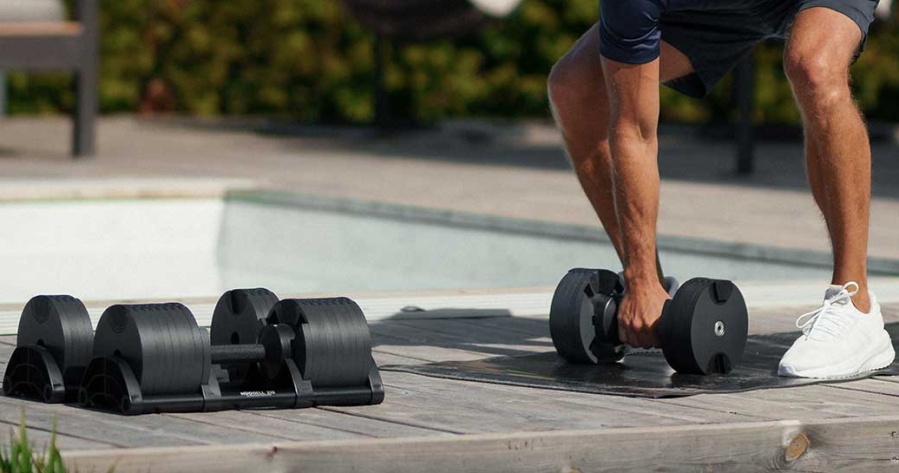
(641, 374)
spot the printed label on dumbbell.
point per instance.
(257, 393)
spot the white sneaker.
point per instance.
(838, 340)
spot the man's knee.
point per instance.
(561, 82)
(817, 79)
(571, 82)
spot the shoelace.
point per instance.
(829, 325)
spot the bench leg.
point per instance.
(744, 87)
(2, 94)
(85, 115)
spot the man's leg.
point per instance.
(577, 92)
(821, 45)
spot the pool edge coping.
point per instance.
(543, 228)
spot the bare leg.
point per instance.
(838, 154)
(580, 105)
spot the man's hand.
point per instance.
(639, 313)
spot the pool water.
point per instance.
(293, 244)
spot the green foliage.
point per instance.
(309, 60)
(21, 457)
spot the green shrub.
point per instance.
(21, 457)
(307, 59)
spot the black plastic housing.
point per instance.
(109, 383)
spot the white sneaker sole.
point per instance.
(878, 358)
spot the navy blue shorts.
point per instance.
(713, 34)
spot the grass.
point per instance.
(21, 457)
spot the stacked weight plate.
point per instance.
(53, 348)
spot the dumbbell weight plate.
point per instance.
(159, 344)
(360, 344)
(333, 344)
(190, 357)
(238, 317)
(704, 329)
(580, 295)
(173, 346)
(62, 325)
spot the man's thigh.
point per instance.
(584, 59)
(823, 37)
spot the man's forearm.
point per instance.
(636, 187)
(633, 140)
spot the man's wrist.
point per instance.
(638, 277)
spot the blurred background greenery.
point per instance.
(310, 60)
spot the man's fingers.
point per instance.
(622, 334)
(642, 336)
(637, 335)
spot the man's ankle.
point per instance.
(862, 300)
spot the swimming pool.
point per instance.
(156, 248)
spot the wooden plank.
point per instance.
(6, 350)
(348, 422)
(887, 385)
(468, 407)
(234, 426)
(146, 430)
(40, 28)
(888, 379)
(40, 438)
(806, 403)
(845, 444)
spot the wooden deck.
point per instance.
(429, 424)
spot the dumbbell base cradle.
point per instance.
(110, 383)
(32, 373)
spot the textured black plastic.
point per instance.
(238, 318)
(226, 354)
(687, 332)
(333, 341)
(157, 341)
(60, 325)
(32, 373)
(577, 327)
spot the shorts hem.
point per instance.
(841, 7)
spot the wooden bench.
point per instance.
(62, 46)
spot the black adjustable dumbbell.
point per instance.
(328, 339)
(53, 347)
(702, 330)
(262, 353)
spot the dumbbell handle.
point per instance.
(225, 354)
(608, 331)
(274, 347)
